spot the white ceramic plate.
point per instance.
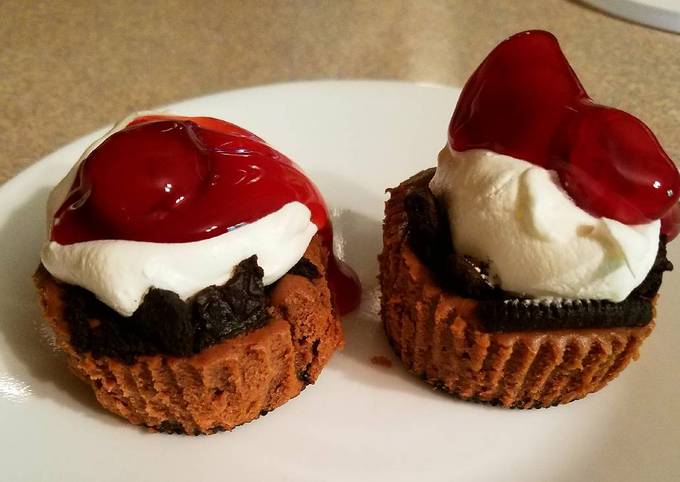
(360, 421)
(663, 14)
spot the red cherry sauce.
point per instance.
(178, 179)
(525, 101)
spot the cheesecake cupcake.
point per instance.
(524, 269)
(189, 276)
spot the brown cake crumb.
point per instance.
(381, 361)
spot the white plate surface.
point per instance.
(360, 421)
(663, 14)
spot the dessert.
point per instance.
(523, 271)
(189, 275)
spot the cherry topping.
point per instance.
(163, 182)
(179, 179)
(516, 99)
(616, 168)
(171, 181)
(525, 101)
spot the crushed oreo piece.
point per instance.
(225, 311)
(467, 275)
(429, 237)
(304, 377)
(651, 284)
(164, 323)
(170, 427)
(176, 428)
(75, 312)
(96, 328)
(164, 318)
(428, 231)
(305, 268)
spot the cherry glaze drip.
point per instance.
(178, 179)
(525, 101)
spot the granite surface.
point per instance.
(70, 67)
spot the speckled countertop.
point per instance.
(70, 67)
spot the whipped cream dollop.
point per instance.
(537, 241)
(120, 272)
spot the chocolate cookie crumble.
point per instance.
(163, 323)
(305, 268)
